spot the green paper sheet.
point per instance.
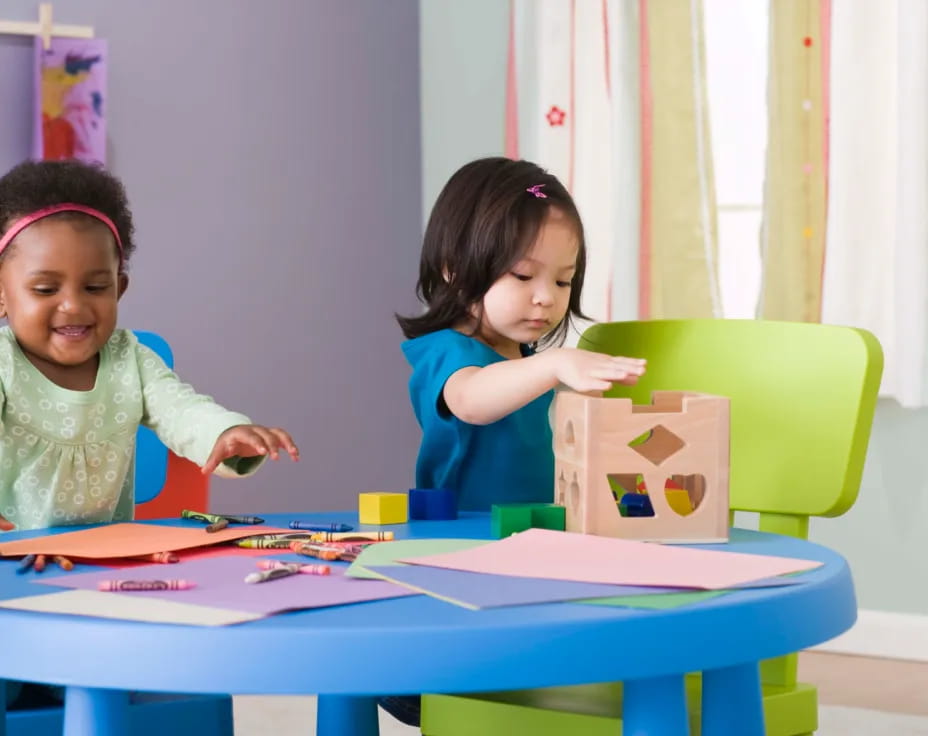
(387, 553)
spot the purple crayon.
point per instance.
(311, 527)
(113, 586)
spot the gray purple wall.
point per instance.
(271, 152)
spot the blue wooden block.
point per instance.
(636, 504)
(432, 504)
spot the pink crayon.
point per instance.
(112, 586)
(305, 569)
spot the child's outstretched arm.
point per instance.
(250, 440)
(483, 395)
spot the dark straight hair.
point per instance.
(484, 221)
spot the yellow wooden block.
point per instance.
(383, 508)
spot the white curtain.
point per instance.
(876, 256)
(576, 72)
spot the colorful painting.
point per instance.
(70, 100)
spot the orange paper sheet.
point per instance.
(128, 540)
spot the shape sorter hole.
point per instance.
(684, 493)
(630, 493)
(574, 493)
(570, 438)
(561, 489)
(657, 444)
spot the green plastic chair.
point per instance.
(802, 403)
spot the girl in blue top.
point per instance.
(501, 274)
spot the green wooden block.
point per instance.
(510, 518)
(549, 516)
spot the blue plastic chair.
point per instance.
(151, 714)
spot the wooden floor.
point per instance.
(890, 685)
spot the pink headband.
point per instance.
(23, 222)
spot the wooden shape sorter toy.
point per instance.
(609, 452)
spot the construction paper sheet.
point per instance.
(661, 602)
(544, 553)
(129, 539)
(476, 590)
(124, 606)
(220, 584)
(387, 553)
(196, 553)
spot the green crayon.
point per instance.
(201, 516)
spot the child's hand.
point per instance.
(6, 525)
(248, 440)
(585, 371)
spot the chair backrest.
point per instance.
(151, 456)
(802, 402)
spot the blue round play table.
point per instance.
(348, 655)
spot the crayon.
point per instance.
(242, 519)
(27, 562)
(315, 550)
(217, 526)
(283, 535)
(39, 564)
(200, 516)
(274, 574)
(63, 562)
(160, 557)
(304, 569)
(252, 543)
(352, 537)
(124, 585)
(308, 526)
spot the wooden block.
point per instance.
(383, 508)
(510, 518)
(432, 504)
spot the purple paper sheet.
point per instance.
(479, 590)
(220, 584)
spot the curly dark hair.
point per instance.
(483, 222)
(34, 185)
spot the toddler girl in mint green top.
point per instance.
(74, 388)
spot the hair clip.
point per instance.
(536, 190)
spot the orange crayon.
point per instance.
(63, 562)
(315, 550)
(163, 558)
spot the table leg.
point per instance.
(95, 712)
(732, 701)
(346, 715)
(654, 707)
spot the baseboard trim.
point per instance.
(883, 634)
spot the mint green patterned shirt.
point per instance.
(68, 457)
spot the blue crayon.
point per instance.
(307, 526)
(26, 563)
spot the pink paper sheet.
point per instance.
(543, 553)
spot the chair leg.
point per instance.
(655, 707)
(95, 712)
(341, 715)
